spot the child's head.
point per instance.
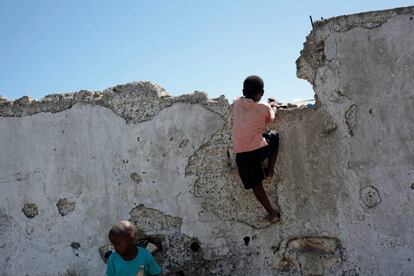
(253, 88)
(121, 236)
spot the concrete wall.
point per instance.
(73, 164)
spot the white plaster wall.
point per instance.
(373, 70)
(86, 154)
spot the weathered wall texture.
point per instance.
(71, 165)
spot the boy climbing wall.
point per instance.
(251, 145)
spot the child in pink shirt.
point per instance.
(251, 145)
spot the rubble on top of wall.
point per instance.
(135, 102)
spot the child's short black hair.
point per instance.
(252, 86)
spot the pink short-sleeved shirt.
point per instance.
(249, 122)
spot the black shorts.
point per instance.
(250, 165)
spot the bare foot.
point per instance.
(274, 217)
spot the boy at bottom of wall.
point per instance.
(251, 145)
(129, 259)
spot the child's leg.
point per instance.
(251, 172)
(261, 196)
(269, 171)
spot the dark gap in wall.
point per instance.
(246, 240)
(195, 246)
(107, 254)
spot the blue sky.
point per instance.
(183, 45)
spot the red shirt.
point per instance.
(249, 122)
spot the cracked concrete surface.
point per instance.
(343, 182)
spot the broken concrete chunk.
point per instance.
(370, 196)
(23, 100)
(152, 248)
(3, 99)
(30, 210)
(65, 206)
(153, 243)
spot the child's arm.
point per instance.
(274, 106)
(271, 114)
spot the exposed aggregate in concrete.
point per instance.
(179, 254)
(65, 206)
(30, 210)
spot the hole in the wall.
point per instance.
(370, 111)
(411, 18)
(412, 186)
(75, 245)
(195, 246)
(246, 240)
